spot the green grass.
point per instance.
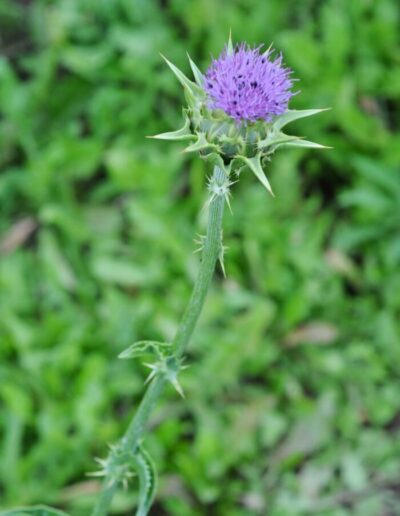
(292, 398)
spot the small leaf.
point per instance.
(254, 165)
(293, 114)
(147, 480)
(145, 347)
(183, 133)
(199, 77)
(201, 144)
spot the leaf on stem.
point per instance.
(147, 480)
(145, 347)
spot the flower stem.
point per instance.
(211, 250)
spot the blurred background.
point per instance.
(292, 396)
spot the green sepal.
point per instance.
(147, 474)
(294, 114)
(254, 164)
(201, 144)
(199, 77)
(145, 347)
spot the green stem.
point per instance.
(211, 249)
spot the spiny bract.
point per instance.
(236, 112)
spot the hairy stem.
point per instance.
(211, 249)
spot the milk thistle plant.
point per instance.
(233, 119)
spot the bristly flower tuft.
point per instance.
(248, 85)
(237, 110)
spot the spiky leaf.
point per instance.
(293, 114)
(183, 133)
(147, 480)
(201, 144)
(254, 165)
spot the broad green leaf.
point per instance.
(145, 347)
(254, 165)
(147, 481)
(293, 114)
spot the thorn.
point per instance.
(100, 473)
(177, 386)
(200, 243)
(150, 366)
(221, 262)
(221, 259)
(102, 462)
(227, 195)
(268, 49)
(154, 370)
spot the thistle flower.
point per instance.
(236, 112)
(248, 85)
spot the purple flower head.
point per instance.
(248, 85)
